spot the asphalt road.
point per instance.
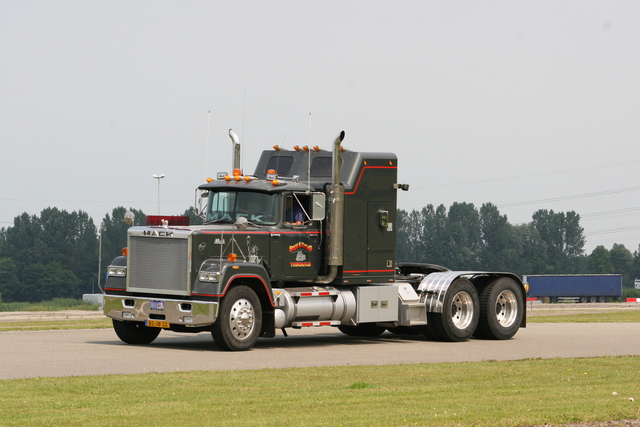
(94, 352)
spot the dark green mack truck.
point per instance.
(308, 240)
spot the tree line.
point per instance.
(467, 238)
(55, 254)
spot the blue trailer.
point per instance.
(578, 288)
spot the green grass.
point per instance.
(630, 316)
(57, 304)
(450, 394)
(58, 324)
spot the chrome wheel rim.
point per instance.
(241, 318)
(462, 310)
(506, 308)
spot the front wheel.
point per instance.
(135, 332)
(239, 320)
(501, 310)
(460, 312)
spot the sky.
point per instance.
(524, 104)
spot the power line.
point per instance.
(563, 198)
(532, 175)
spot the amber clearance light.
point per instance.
(232, 257)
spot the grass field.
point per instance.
(517, 393)
(492, 394)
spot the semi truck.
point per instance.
(581, 288)
(307, 240)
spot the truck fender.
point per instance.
(256, 277)
(433, 288)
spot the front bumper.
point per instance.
(174, 311)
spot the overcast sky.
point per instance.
(525, 104)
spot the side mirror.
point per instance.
(318, 201)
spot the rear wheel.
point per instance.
(460, 312)
(239, 320)
(362, 330)
(135, 332)
(501, 310)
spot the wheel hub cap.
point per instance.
(241, 318)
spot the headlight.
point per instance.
(209, 276)
(117, 271)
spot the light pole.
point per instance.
(158, 177)
(99, 256)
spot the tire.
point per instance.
(583, 300)
(239, 320)
(363, 330)
(460, 313)
(501, 310)
(135, 332)
(602, 299)
(429, 331)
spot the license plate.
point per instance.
(157, 323)
(157, 305)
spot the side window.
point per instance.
(296, 210)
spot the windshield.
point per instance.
(258, 208)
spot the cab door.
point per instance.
(302, 254)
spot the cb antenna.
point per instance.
(309, 162)
(206, 157)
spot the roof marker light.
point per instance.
(305, 148)
(209, 179)
(316, 148)
(297, 148)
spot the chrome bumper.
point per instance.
(180, 312)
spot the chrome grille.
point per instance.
(158, 264)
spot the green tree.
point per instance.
(431, 240)
(634, 271)
(405, 248)
(600, 261)
(500, 249)
(465, 233)
(9, 283)
(622, 263)
(531, 249)
(42, 282)
(55, 236)
(563, 239)
(73, 238)
(194, 217)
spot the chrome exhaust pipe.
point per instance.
(236, 149)
(336, 218)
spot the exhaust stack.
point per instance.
(336, 193)
(236, 149)
(336, 218)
